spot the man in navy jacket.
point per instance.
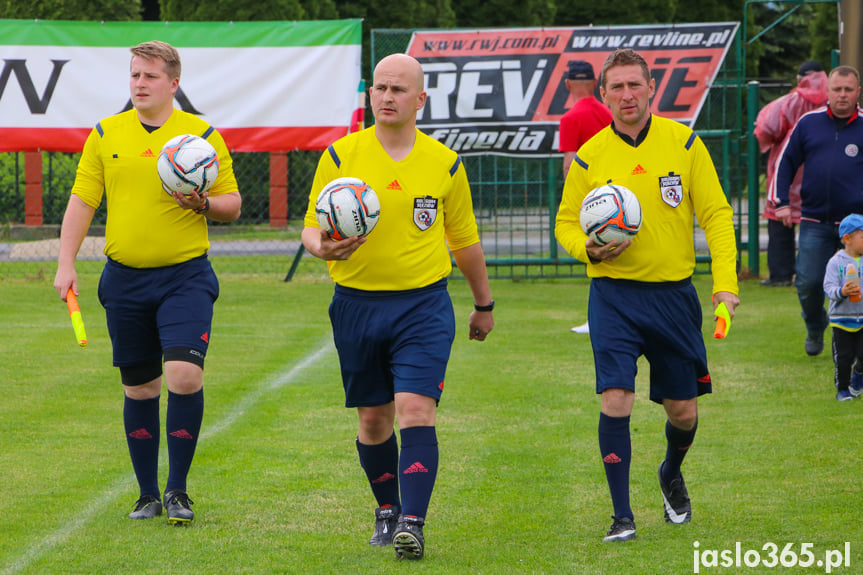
(828, 141)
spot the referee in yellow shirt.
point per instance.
(158, 287)
(392, 317)
(642, 301)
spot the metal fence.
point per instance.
(256, 246)
(515, 199)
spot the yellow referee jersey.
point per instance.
(673, 177)
(145, 228)
(425, 206)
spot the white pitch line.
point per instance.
(64, 531)
(98, 504)
(253, 397)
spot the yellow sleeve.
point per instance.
(90, 177)
(567, 227)
(324, 174)
(226, 182)
(716, 218)
(459, 220)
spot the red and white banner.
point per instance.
(501, 91)
(266, 86)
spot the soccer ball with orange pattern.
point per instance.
(347, 207)
(610, 213)
(187, 164)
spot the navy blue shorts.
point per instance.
(390, 342)
(150, 310)
(661, 321)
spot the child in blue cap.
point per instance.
(842, 286)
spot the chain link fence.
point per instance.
(515, 199)
(253, 244)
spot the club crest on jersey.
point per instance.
(671, 189)
(851, 150)
(425, 212)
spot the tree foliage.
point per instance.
(586, 13)
(790, 34)
(505, 13)
(320, 9)
(583, 13)
(783, 48)
(811, 32)
(824, 31)
(231, 10)
(98, 10)
(709, 11)
(399, 13)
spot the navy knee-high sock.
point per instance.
(679, 441)
(418, 465)
(615, 447)
(141, 421)
(381, 464)
(183, 424)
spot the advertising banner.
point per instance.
(501, 91)
(266, 86)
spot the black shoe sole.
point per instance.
(407, 546)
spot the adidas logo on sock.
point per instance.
(611, 458)
(383, 478)
(416, 468)
(181, 434)
(140, 434)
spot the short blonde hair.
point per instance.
(158, 50)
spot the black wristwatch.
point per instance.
(488, 307)
(205, 208)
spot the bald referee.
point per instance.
(392, 317)
(642, 301)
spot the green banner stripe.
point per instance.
(181, 34)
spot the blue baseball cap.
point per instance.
(580, 70)
(850, 223)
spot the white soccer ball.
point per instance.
(610, 213)
(347, 207)
(187, 164)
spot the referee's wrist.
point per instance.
(488, 307)
(203, 208)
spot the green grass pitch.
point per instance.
(278, 487)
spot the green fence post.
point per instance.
(551, 190)
(752, 178)
(297, 257)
